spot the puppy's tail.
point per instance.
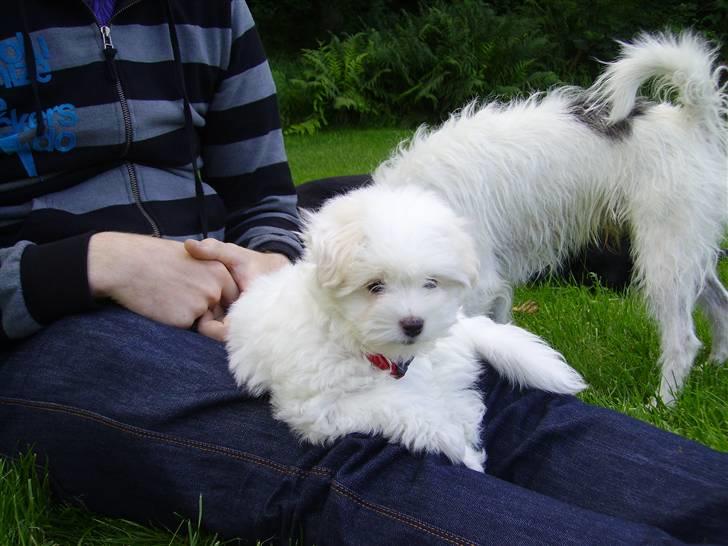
(682, 66)
(520, 356)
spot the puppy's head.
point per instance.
(395, 264)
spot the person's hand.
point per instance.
(158, 279)
(244, 264)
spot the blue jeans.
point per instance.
(140, 420)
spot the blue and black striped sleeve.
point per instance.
(243, 152)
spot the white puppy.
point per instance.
(380, 286)
(537, 179)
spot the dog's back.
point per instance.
(538, 178)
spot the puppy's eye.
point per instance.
(430, 284)
(375, 287)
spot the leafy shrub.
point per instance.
(449, 54)
(420, 65)
(334, 81)
(425, 65)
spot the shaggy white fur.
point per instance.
(384, 274)
(537, 178)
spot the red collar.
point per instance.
(396, 369)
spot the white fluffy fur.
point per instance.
(537, 182)
(302, 333)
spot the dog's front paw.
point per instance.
(667, 393)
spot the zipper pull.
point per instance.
(109, 52)
(106, 37)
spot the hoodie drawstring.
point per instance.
(189, 127)
(32, 69)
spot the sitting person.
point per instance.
(112, 368)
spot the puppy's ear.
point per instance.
(331, 237)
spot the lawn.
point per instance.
(342, 152)
(606, 336)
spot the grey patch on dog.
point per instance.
(596, 119)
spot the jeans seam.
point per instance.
(165, 438)
(430, 529)
(246, 457)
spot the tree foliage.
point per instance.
(398, 60)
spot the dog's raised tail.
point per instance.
(684, 64)
(521, 357)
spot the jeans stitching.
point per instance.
(437, 532)
(202, 446)
(172, 440)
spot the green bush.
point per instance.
(416, 66)
(333, 81)
(449, 54)
(424, 66)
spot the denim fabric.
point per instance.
(138, 420)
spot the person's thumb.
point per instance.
(212, 249)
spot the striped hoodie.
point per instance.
(162, 122)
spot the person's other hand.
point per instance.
(158, 279)
(244, 264)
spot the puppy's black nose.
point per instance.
(412, 326)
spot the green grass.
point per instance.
(342, 152)
(606, 336)
(611, 341)
(28, 517)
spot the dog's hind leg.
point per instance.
(679, 347)
(670, 285)
(678, 342)
(714, 303)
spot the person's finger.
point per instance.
(228, 255)
(207, 316)
(218, 312)
(230, 291)
(208, 326)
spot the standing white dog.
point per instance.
(538, 178)
(380, 286)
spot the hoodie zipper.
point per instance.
(110, 55)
